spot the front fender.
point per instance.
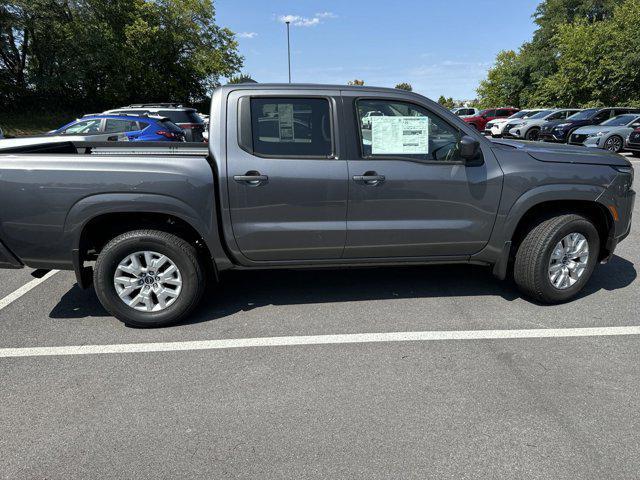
(498, 249)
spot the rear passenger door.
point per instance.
(287, 185)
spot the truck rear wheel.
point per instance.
(556, 258)
(149, 278)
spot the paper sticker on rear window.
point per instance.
(285, 122)
(399, 135)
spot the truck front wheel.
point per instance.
(556, 258)
(149, 278)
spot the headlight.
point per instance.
(517, 125)
(599, 134)
(562, 125)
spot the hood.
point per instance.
(560, 153)
(594, 129)
(534, 121)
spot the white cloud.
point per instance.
(247, 35)
(300, 21)
(325, 15)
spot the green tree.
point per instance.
(241, 78)
(102, 53)
(446, 102)
(405, 86)
(504, 83)
(530, 76)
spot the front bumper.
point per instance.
(8, 259)
(619, 199)
(592, 142)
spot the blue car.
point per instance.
(133, 128)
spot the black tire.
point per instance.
(180, 252)
(533, 134)
(534, 254)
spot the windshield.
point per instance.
(584, 114)
(620, 120)
(521, 114)
(541, 114)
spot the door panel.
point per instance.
(296, 209)
(421, 209)
(423, 206)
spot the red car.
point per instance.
(480, 120)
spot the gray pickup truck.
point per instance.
(295, 178)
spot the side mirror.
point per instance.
(469, 147)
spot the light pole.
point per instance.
(288, 50)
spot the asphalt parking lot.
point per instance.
(556, 406)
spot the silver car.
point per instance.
(530, 128)
(608, 135)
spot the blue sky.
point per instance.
(441, 47)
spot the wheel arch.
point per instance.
(539, 204)
(95, 220)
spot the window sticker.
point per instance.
(285, 122)
(399, 135)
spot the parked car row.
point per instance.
(608, 128)
(161, 122)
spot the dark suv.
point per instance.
(559, 131)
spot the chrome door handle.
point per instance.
(252, 178)
(369, 178)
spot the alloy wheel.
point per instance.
(569, 261)
(147, 281)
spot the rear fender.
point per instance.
(96, 205)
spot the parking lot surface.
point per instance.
(551, 407)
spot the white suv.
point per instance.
(529, 129)
(495, 128)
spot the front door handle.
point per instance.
(251, 178)
(369, 178)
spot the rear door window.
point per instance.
(291, 127)
(113, 125)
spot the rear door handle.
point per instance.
(252, 178)
(369, 178)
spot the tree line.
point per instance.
(95, 54)
(583, 53)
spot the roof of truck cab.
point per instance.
(312, 86)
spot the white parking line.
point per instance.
(12, 297)
(318, 340)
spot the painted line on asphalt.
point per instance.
(318, 340)
(12, 297)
